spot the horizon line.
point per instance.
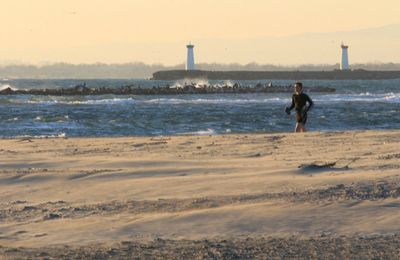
(44, 64)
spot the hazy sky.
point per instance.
(156, 31)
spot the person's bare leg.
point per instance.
(298, 128)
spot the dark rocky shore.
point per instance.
(321, 247)
(161, 90)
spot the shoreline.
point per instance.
(199, 135)
(218, 194)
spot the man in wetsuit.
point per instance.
(299, 103)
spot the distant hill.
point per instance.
(82, 71)
(141, 70)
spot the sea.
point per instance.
(356, 105)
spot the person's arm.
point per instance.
(310, 103)
(292, 105)
(288, 109)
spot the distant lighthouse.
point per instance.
(190, 57)
(344, 65)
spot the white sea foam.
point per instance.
(209, 131)
(175, 101)
(60, 135)
(166, 101)
(82, 102)
(204, 100)
(362, 97)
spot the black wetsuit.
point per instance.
(299, 102)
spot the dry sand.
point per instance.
(313, 195)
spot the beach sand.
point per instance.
(313, 195)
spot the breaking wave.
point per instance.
(226, 99)
(362, 97)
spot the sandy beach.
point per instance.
(313, 195)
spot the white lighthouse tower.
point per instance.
(190, 57)
(344, 65)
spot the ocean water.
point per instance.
(356, 105)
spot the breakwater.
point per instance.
(274, 75)
(162, 90)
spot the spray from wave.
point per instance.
(197, 83)
(6, 86)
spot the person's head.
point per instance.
(298, 87)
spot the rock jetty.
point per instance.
(192, 88)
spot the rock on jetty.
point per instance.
(161, 90)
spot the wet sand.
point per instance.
(314, 195)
